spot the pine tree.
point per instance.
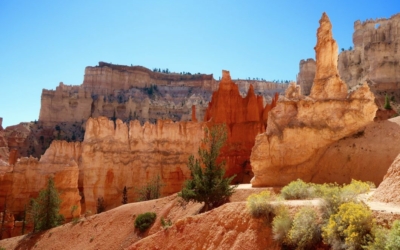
(124, 196)
(100, 206)
(45, 208)
(151, 190)
(387, 102)
(207, 183)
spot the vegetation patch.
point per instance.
(144, 221)
(260, 205)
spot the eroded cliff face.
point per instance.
(135, 92)
(23, 180)
(375, 59)
(306, 75)
(245, 119)
(300, 128)
(375, 55)
(114, 156)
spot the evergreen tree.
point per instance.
(124, 196)
(208, 184)
(45, 208)
(151, 190)
(387, 102)
(100, 206)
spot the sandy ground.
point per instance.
(227, 227)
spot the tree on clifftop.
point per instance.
(45, 208)
(207, 183)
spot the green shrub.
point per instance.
(296, 190)
(332, 198)
(208, 183)
(305, 231)
(166, 223)
(379, 240)
(151, 190)
(355, 188)
(144, 221)
(387, 103)
(281, 225)
(260, 204)
(350, 227)
(393, 239)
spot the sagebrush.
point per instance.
(260, 204)
(350, 227)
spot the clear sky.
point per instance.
(43, 43)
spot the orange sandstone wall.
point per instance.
(120, 154)
(245, 118)
(23, 180)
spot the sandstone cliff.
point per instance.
(375, 55)
(298, 129)
(135, 92)
(375, 58)
(120, 154)
(245, 119)
(23, 180)
(306, 75)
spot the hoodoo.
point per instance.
(300, 129)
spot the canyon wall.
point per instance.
(113, 155)
(299, 128)
(376, 54)
(120, 154)
(135, 92)
(245, 119)
(23, 180)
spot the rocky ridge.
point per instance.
(299, 128)
(135, 92)
(374, 59)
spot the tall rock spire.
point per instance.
(327, 83)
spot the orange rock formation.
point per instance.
(245, 118)
(299, 129)
(135, 92)
(114, 156)
(23, 180)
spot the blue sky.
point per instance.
(45, 42)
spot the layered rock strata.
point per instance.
(375, 55)
(245, 119)
(131, 155)
(299, 129)
(135, 92)
(306, 75)
(23, 180)
(375, 58)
